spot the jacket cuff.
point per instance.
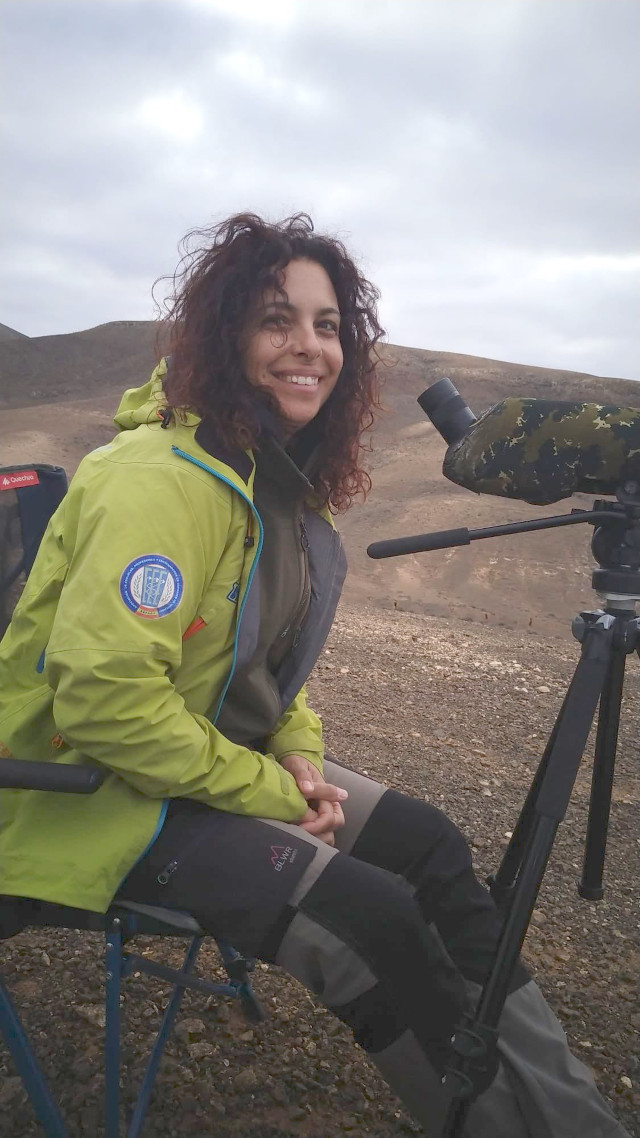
(314, 757)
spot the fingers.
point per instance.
(310, 782)
(315, 820)
(338, 816)
(304, 772)
(305, 784)
(309, 816)
(328, 818)
(327, 792)
(323, 820)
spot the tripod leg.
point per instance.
(503, 881)
(590, 885)
(569, 740)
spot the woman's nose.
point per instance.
(306, 341)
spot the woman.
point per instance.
(180, 599)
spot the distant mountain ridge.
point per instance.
(78, 365)
(120, 354)
(7, 333)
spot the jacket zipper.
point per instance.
(304, 538)
(165, 874)
(297, 620)
(304, 600)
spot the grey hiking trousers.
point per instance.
(393, 932)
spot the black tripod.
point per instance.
(607, 637)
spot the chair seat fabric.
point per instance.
(17, 913)
(173, 917)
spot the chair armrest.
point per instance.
(20, 774)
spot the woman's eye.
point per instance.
(274, 320)
(329, 326)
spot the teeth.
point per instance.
(302, 380)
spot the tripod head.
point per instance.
(616, 545)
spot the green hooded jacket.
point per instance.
(142, 601)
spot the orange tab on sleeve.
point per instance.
(194, 627)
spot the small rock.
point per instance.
(246, 1080)
(190, 1030)
(11, 1087)
(626, 1082)
(335, 1028)
(26, 988)
(94, 1013)
(200, 1050)
(221, 1011)
(83, 1069)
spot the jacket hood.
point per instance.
(145, 404)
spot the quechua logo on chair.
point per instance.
(16, 479)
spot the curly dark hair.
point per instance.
(224, 271)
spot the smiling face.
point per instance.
(293, 344)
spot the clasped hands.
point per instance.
(324, 813)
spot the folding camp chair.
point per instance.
(28, 496)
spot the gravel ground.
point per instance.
(454, 712)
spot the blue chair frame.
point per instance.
(122, 922)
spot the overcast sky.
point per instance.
(480, 157)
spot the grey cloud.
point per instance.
(447, 141)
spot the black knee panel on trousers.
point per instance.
(422, 844)
(418, 986)
(374, 1018)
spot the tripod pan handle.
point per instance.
(420, 543)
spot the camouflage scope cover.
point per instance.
(542, 450)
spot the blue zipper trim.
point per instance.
(228, 482)
(156, 833)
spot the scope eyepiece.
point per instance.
(450, 415)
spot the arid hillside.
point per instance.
(58, 395)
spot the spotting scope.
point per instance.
(538, 450)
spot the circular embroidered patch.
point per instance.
(151, 586)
